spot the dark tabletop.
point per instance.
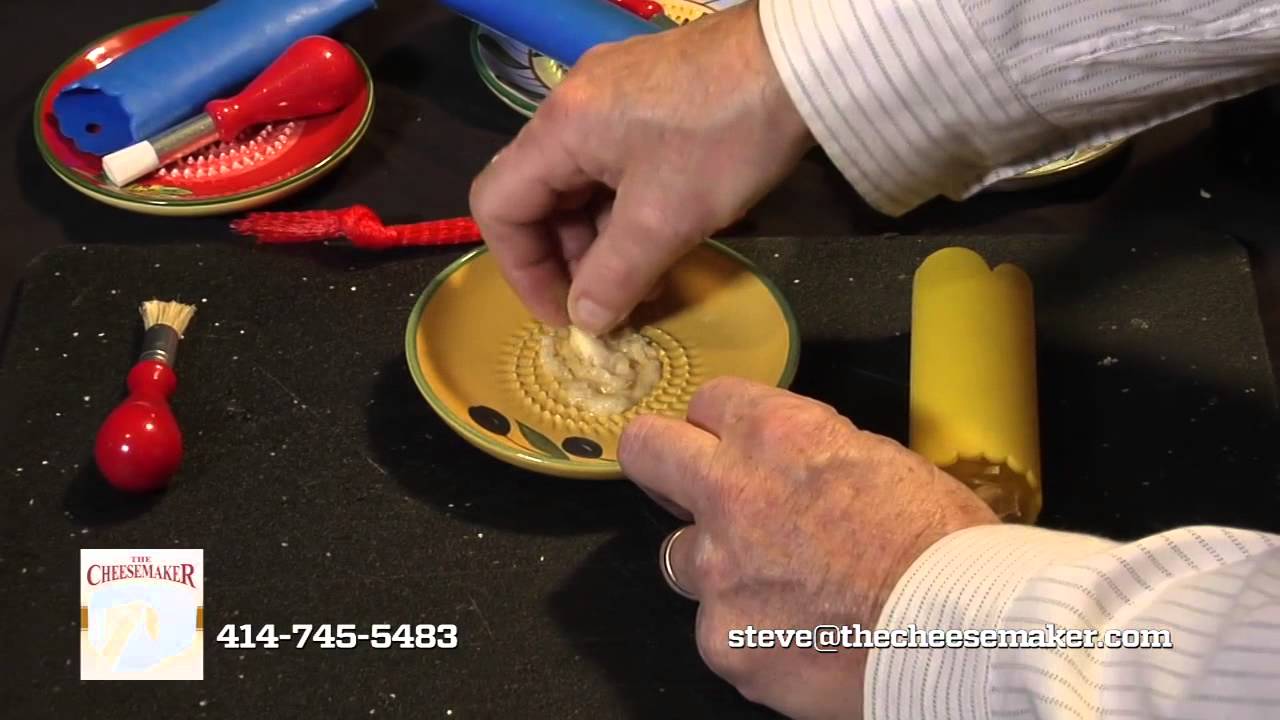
(323, 489)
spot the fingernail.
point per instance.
(592, 316)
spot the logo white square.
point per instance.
(141, 614)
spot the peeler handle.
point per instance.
(563, 30)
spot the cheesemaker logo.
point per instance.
(141, 614)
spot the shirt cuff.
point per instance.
(963, 582)
(904, 97)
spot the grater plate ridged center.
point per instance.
(542, 394)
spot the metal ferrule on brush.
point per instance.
(160, 343)
(184, 139)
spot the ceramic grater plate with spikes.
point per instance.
(261, 166)
(521, 78)
(472, 349)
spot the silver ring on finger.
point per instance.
(668, 573)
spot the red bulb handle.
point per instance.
(139, 447)
(316, 75)
(644, 8)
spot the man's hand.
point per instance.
(800, 519)
(646, 148)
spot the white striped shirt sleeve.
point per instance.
(912, 99)
(1215, 590)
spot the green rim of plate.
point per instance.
(511, 97)
(424, 387)
(78, 180)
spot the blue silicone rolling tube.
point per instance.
(169, 79)
(560, 29)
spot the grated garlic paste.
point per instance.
(606, 375)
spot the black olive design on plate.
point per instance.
(582, 447)
(490, 419)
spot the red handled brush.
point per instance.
(139, 447)
(315, 76)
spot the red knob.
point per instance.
(139, 447)
(644, 8)
(316, 75)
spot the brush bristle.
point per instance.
(166, 312)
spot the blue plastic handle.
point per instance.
(560, 29)
(170, 78)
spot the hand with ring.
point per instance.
(798, 519)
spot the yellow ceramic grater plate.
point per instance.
(472, 349)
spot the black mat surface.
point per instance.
(323, 490)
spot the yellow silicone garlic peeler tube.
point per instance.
(974, 410)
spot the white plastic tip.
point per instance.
(124, 166)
